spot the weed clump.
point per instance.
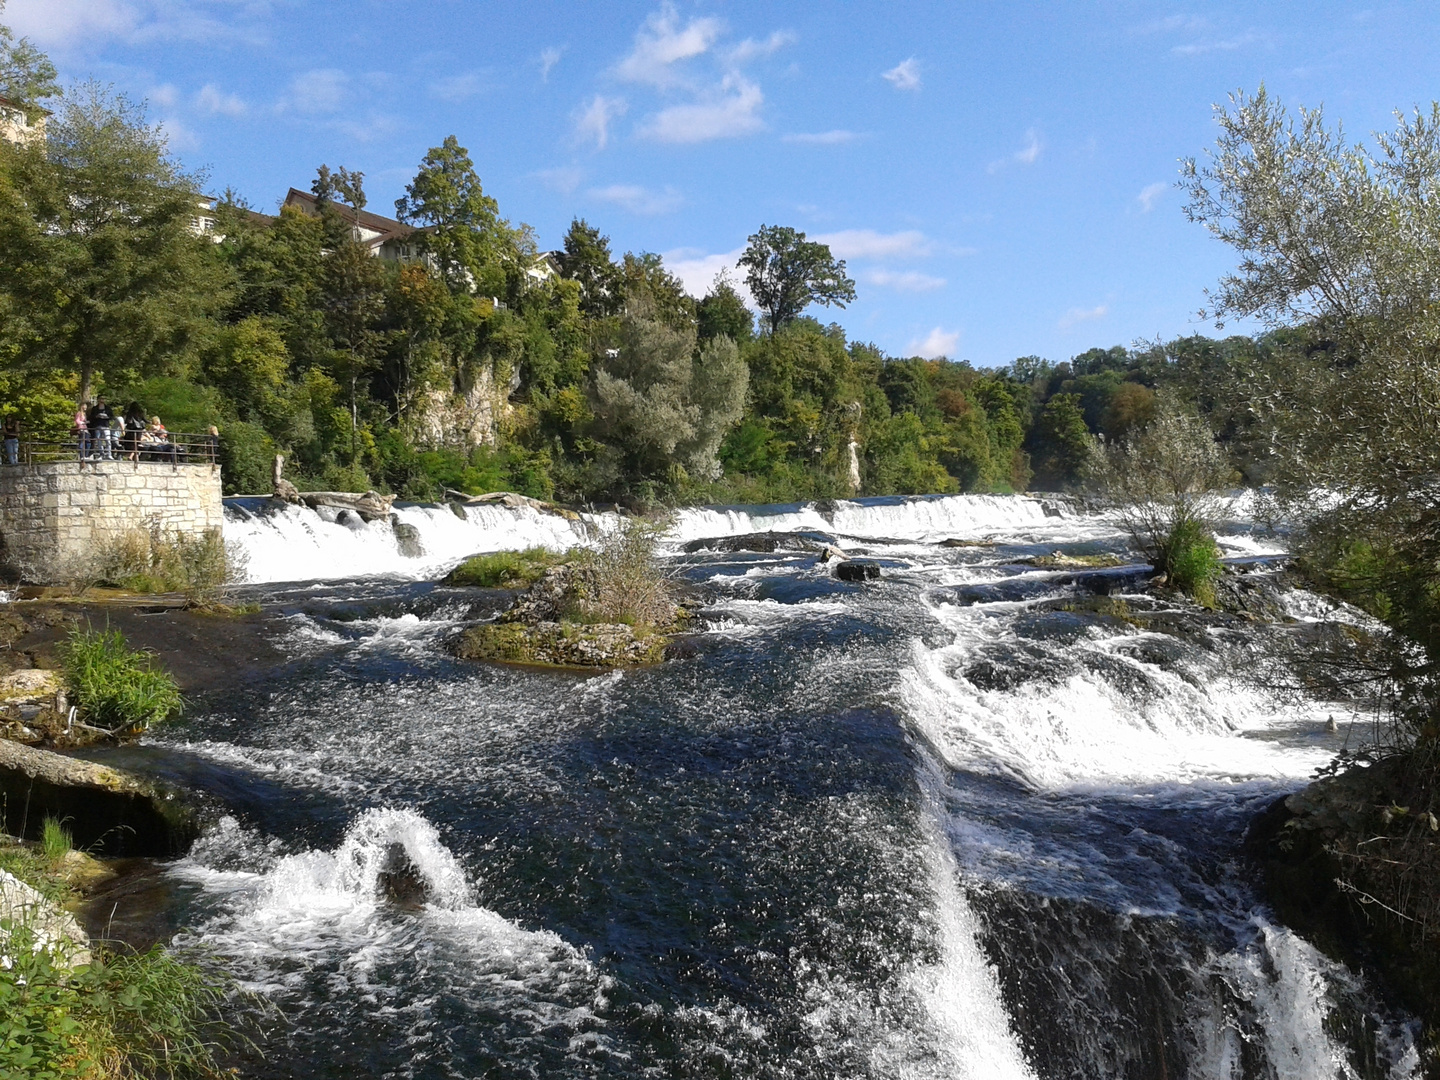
(117, 688)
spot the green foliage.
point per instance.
(1190, 559)
(1060, 443)
(55, 839)
(153, 561)
(504, 569)
(621, 580)
(787, 273)
(116, 687)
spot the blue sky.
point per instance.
(999, 177)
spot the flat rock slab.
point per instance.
(107, 812)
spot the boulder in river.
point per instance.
(857, 570)
(399, 880)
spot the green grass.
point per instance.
(55, 840)
(504, 569)
(117, 688)
(154, 561)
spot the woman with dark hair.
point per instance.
(134, 425)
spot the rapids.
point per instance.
(933, 825)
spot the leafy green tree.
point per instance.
(100, 271)
(787, 273)
(1060, 443)
(722, 313)
(464, 232)
(27, 76)
(586, 260)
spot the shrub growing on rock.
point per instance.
(504, 569)
(154, 561)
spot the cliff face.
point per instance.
(1352, 863)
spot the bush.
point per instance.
(503, 569)
(1191, 561)
(116, 687)
(622, 582)
(153, 561)
(55, 839)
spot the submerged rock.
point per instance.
(407, 539)
(763, 542)
(399, 880)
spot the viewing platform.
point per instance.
(57, 510)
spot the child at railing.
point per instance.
(12, 440)
(81, 431)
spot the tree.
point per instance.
(100, 271)
(26, 74)
(1343, 240)
(1166, 485)
(723, 313)
(464, 232)
(586, 260)
(787, 273)
(1060, 442)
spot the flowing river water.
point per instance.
(934, 825)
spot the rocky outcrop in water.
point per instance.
(108, 812)
(540, 627)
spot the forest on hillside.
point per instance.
(465, 368)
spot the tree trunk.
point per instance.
(87, 375)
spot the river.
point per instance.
(934, 825)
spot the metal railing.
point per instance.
(174, 448)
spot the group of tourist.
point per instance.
(106, 435)
(103, 434)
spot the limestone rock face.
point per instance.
(54, 930)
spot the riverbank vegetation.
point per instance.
(123, 1014)
(1338, 244)
(117, 689)
(155, 561)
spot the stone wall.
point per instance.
(53, 515)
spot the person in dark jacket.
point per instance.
(134, 427)
(11, 432)
(99, 418)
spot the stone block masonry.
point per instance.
(53, 515)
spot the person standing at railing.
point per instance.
(134, 429)
(212, 444)
(81, 431)
(99, 418)
(12, 440)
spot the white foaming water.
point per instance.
(1083, 728)
(298, 544)
(325, 909)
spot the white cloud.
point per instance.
(697, 269)
(460, 87)
(592, 122)
(869, 244)
(324, 90)
(564, 178)
(733, 112)
(164, 95)
(1076, 315)
(904, 75)
(750, 49)
(178, 136)
(1172, 23)
(548, 59)
(639, 200)
(73, 24)
(935, 344)
(215, 101)
(662, 42)
(902, 280)
(822, 138)
(1200, 48)
(1150, 195)
(1026, 155)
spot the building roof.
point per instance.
(388, 228)
(13, 104)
